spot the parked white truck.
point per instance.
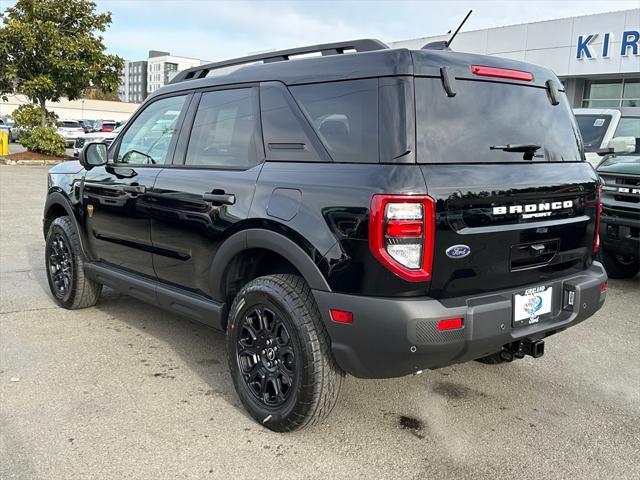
(608, 130)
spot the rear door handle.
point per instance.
(219, 198)
(137, 189)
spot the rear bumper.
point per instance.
(392, 337)
(620, 235)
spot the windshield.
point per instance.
(593, 128)
(628, 127)
(486, 114)
(620, 159)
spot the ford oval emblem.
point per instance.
(458, 251)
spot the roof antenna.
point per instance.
(448, 42)
(444, 44)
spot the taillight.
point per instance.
(401, 234)
(596, 242)
(501, 73)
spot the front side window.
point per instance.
(345, 116)
(224, 130)
(147, 140)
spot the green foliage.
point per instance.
(53, 48)
(29, 116)
(99, 94)
(44, 140)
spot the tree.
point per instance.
(28, 117)
(53, 48)
(94, 93)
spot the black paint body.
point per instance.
(314, 213)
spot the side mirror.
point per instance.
(623, 144)
(93, 155)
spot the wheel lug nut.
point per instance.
(264, 351)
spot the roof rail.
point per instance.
(363, 45)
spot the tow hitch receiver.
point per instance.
(533, 348)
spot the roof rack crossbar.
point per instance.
(362, 45)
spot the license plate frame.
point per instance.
(532, 305)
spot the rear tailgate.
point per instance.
(504, 161)
(550, 233)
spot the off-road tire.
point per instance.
(619, 269)
(82, 292)
(317, 378)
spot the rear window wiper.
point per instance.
(528, 149)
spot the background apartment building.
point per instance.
(140, 78)
(162, 67)
(133, 81)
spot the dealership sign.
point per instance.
(629, 43)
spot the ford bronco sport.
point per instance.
(620, 225)
(368, 210)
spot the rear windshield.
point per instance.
(593, 128)
(483, 114)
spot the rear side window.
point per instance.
(223, 133)
(345, 116)
(593, 128)
(462, 129)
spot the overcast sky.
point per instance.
(215, 30)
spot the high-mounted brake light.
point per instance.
(401, 234)
(596, 242)
(501, 73)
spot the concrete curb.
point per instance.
(6, 161)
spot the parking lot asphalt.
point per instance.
(126, 390)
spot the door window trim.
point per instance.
(180, 153)
(113, 152)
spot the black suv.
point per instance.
(368, 210)
(620, 225)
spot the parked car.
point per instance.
(377, 213)
(88, 125)
(8, 125)
(106, 137)
(105, 125)
(620, 222)
(70, 130)
(609, 130)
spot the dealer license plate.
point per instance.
(530, 305)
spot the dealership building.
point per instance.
(597, 57)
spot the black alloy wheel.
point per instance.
(265, 356)
(60, 265)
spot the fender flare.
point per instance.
(268, 240)
(57, 198)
